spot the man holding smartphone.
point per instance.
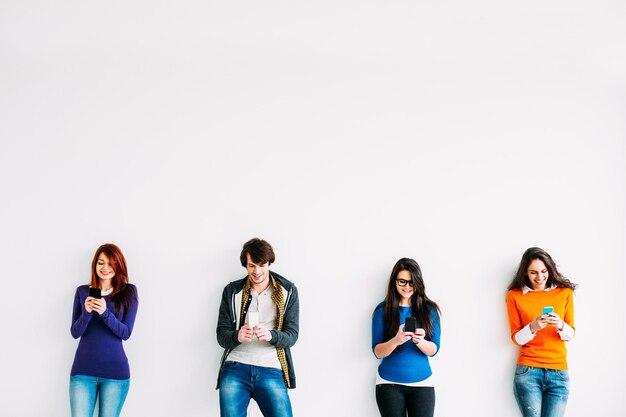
(257, 326)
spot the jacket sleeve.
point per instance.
(288, 336)
(80, 317)
(226, 331)
(122, 328)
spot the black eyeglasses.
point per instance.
(403, 282)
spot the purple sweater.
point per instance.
(100, 351)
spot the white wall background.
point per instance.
(347, 134)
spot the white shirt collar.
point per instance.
(270, 288)
(527, 288)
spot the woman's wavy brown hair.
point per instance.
(554, 276)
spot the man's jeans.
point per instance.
(541, 392)
(85, 389)
(240, 382)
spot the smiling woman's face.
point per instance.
(537, 275)
(406, 290)
(104, 270)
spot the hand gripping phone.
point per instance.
(410, 324)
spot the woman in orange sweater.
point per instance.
(540, 303)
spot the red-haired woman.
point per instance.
(103, 315)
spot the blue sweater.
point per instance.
(100, 352)
(407, 363)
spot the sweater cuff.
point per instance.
(235, 338)
(524, 336)
(567, 333)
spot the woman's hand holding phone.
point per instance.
(418, 336)
(95, 304)
(89, 304)
(402, 336)
(99, 305)
(554, 320)
(94, 301)
(539, 323)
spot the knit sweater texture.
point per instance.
(100, 352)
(546, 349)
(406, 364)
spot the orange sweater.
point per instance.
(546, 349)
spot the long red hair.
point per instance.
(122, 292)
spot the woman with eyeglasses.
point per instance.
(540, 304)
(405, 332)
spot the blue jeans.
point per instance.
(240, 382)
(84, 391)
(541, 392)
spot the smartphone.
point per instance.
(253, 318)
(410, 324)
(95, 292)
(548, 310)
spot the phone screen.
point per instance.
(253, 318)
(410, 324)
(95, 292)
(548, 310)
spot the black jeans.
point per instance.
(396, 400)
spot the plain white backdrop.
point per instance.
(348, 134)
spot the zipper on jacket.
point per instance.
(234, 311)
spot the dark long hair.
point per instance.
(554, 276)
(420, 303)
(122, 293)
